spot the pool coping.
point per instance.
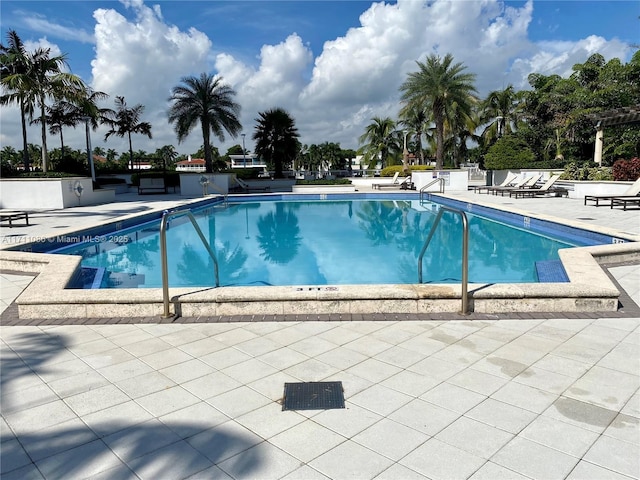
(589, 290)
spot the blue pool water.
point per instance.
(329, 242)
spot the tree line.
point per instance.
(440, 119)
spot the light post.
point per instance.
(89, 154)
(244, 153)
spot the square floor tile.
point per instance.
(390, 439)
(549, 464)
(474, 437)
(434, 460)
(350, 460)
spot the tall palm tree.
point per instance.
(502, 110)
(125, 121)
(46, 80)
(378, 139)
(276, 139)
(437, 86)
(207, 100)
(13, 65)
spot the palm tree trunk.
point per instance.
(43, 123)
(130, 152)
(25, 152)
(208, 162)
(439, 142)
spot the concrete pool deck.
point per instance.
(506, 397)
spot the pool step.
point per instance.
(551, 271)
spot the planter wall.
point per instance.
(51, 193)
(453, 180)
(190, 185)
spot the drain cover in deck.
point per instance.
(313, 396)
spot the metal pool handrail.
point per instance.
(163, 253)
(465, 251)
(435, 180)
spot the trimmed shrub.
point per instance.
(322, 181)
(509, 152)
(626, 170)
(391, 170)
(586, 171)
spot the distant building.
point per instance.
(191, 165)
(249, 160)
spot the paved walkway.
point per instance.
(542, 398)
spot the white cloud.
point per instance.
(333, 96)
(40, 24)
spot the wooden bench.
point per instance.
(11, 215)
(152, 184)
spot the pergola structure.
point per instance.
(609, 118)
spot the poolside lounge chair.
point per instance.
(13, 215)
(624, 202)
(394, 182)
(515, 185)
(511, 177)
(544, 190)
(632, 192)
(246, 188)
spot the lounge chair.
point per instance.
(515, 185)
(631, 192)
(544, 190)
(507, 181)
(394, 182)
(246, 188)
(624, 202)
(13, 215)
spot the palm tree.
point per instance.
(125, 121)
(13, 65)
(436, 86)
(276, 139)
(378, 139)
(502, 110)
(58, 115)
(45, 79)
(415, 119)
(208, 101)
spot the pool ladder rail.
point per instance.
(423, 190)
(465, 251)
(163, 253)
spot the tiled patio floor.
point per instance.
(541, 398)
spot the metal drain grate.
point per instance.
(313, 396)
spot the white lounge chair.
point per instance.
(546, 189)
(394, 182)
(245, 187)
(510, 178)
(631, 192)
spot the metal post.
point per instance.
(244, 153)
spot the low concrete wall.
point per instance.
(453, 179)
(323, 188)
(192, 183)
(51, 193)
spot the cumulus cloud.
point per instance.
(333, 96)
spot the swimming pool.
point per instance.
(319, 242)
(588, 287)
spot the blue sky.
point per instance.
(333, 65)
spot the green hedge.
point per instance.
(337, 181)
(391, 170)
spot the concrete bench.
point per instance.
(152, 184)
(11, 215)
